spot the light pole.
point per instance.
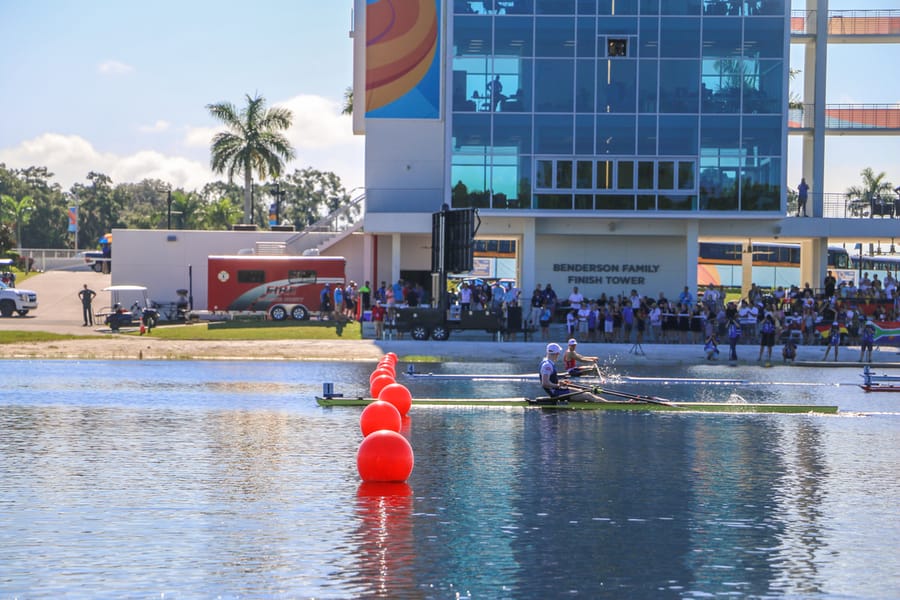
(169, 208)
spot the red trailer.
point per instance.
(280, 286)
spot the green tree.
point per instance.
(100, 209)
(252, 143)
(872, 185)
(348, 102)
(19, 211)
(311, 195)
(220, 214)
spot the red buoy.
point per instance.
(378, 384)
(379, 415)
(384, 456)
(398, 395)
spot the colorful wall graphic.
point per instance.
(402, 59)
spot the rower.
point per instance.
(561, 390)
(549, 377)
(571, 358)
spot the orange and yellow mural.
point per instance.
(402, 59)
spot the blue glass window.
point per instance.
(679, 7)
(722, 38)
(649, 38)
(718, 133)
(586, 38)
(472, 36)
(617, 7)
(555, 7)
(760, 188)
(646, 142)
(512, 133)
(647, 86)
(513, 36)
(649, 7)
(763, 86)
(762, 135)
(554, 85)
(553, 134)
(584, 86)
(678, 135)
(471, 131)
(678, 91)
(679, 38)
(615, 134)
(764, 38)
(584, 134)
(554, 37)
(616, 86)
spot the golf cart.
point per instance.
(140, 311)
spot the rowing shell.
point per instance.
(700, 407)
(526, 377)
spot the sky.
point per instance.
(121, 87)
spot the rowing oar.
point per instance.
(634, 397)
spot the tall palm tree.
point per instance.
(252, 143)
(19, 211)
(872, 184)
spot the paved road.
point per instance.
(59, 309)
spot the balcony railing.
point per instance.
(848, 116)
(848, 22)
(839, 206)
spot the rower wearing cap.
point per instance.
(571, 358)
(550, 379)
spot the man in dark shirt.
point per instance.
(87, 296)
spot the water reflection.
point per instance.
(207, 485)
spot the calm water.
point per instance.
(183, 479)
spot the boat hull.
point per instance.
(698, 407)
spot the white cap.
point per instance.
(572, 342)
(553, 349)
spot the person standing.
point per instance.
(802, 195)
(834, 340)
(87, 297)
(734, 334)
(365, 295)
(866, 342)
(830, 284)
(767, 337)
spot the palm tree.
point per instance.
(19, 211)
(253, 142)
(348, 102)
(872, 185)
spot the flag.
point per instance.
(73, 219)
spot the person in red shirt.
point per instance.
(378, 320)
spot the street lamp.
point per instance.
(279, 194)
(169, 208)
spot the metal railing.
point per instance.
(839, 206)
(848, 22)
(344, 218)
(847, 116)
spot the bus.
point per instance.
(876, 264)
(277, 286)
(774, 264)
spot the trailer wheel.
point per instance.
(278, 313)
(440, 333)
(420, 333)
(299, 313)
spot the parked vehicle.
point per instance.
(16, 300)
(139, 311)
(277, 286)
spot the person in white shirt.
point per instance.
(575, 298)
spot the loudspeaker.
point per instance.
(457, 242)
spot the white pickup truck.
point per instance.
(16, 300)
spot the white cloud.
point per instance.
(322, 137)
(157, 127)
(70, 158)
(114, 67)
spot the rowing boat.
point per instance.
(588, 379)
(632, 405)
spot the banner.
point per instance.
(73, 219)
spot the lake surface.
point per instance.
(225, 479)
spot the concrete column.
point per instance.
(813, 262)
(395, 257)
(692, 255)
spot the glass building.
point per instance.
(618, 105)
(618, 131)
